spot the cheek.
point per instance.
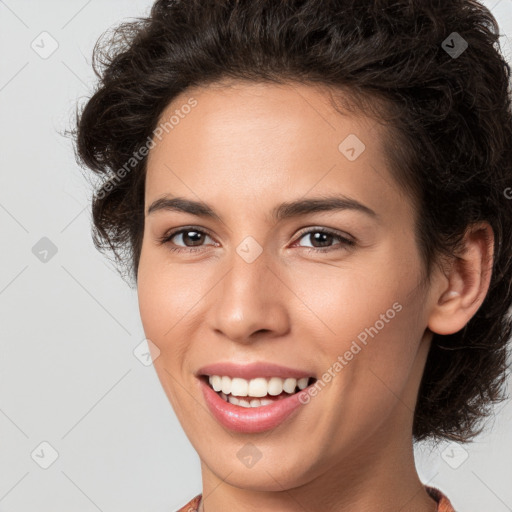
(161, 306)
(342, 302)
(367, 317)
(158, 298)
(370, 359)
(170, 299)
(159, 291)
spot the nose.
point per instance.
(251, 302)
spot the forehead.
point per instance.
(243, 143)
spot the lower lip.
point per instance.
(250, 419)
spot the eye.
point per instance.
(324, 236)
(196, 236)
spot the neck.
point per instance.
(366, 480)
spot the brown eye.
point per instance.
(195, 237)
(191, 238)
(321, 239)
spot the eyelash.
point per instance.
(344, 241)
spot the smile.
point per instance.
(256, 392)
(254, 405)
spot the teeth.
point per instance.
(289, 385)
(255, 388)
(303, 383)
(254, 402)
(275, 386)
(244, 403)
(239, 387)
(226, 385)
(216, 382)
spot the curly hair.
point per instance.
(431, 71)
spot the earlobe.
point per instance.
(464, 287)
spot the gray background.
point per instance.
(69, 325)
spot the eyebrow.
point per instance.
(283, 211)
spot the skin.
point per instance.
(244, 149)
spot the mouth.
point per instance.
(257, 396)
(257, 392)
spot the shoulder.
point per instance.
(443, 503)
(192, 505)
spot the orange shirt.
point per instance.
(443, 503)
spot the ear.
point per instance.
(463, 288)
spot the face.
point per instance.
(334, 291)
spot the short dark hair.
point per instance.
(446, 108)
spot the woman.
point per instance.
(311, 200)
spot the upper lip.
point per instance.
(252, 370)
